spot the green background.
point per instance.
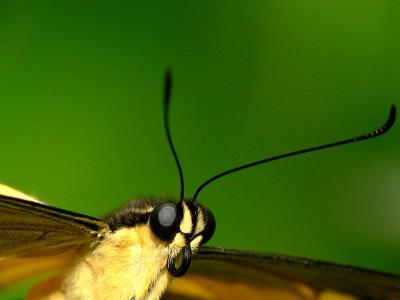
(81, 115)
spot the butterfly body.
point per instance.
(129, 257)
(122, 251)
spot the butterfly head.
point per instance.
(185, 226)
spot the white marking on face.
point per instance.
(186, 225)
(201, 224)
(177, 244)
(195, 243)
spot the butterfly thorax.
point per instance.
(130, 260)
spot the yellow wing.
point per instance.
(224, 274)
(36, 238)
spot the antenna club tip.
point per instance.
(392, 116)
(168, 77)
(168, 72)
(393, 109)
(167, 86)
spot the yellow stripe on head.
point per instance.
(186, 225)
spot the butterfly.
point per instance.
(153, 249)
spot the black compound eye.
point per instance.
(164, 221)
(209, 229)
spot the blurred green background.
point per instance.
(81, 115)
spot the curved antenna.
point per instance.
(381, 130)
(167, 97)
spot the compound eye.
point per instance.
(209, 229)
(164, 221)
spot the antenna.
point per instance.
(167, 97)
(375, 133)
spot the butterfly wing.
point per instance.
(27, 226)
(219, 273)
(35, 237)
